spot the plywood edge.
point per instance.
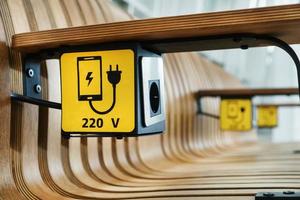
(279, 21)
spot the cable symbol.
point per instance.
(89, 77)
(114, 77)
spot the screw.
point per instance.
(30, 72)
(244, 46)
(268, 194)
(65, 135)
(37, 88)
(288, 192)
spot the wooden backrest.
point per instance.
(37, 163)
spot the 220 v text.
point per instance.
(98, 123)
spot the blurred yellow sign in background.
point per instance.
(267, 116)
(236, 114)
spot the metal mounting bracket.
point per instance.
(201, 112)
(32, 77)
(286, 195)
(32, 88)
(245, 41)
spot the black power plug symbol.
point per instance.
(114, 77)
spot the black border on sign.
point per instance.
(91, 49)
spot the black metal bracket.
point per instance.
(35, 101)
(244, 41)
(201, 112)
(286, 195)
(32, 77)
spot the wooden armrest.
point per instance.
(282, 22)
(279, 104)
(246, 92)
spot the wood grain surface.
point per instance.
(281, 21)
(192, 160)
(247, 92)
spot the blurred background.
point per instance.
(255, 67)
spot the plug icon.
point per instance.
(114, 76)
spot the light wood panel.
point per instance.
(192, 160)
(247, 92)
(281, 21)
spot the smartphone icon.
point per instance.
(89, 70)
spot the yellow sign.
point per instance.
(236, 114)
(98, 91)
(267, 116)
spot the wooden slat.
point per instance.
(247, 92)
(279, 21)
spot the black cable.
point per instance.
(268, 40)
(111, 107)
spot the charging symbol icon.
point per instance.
(89, 77)
(90, 69)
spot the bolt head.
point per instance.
(30, 73)
(268, 194)
(288, 192)
(37, 88)
(244, 47)
(119, 137)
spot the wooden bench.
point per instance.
(193, 159)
